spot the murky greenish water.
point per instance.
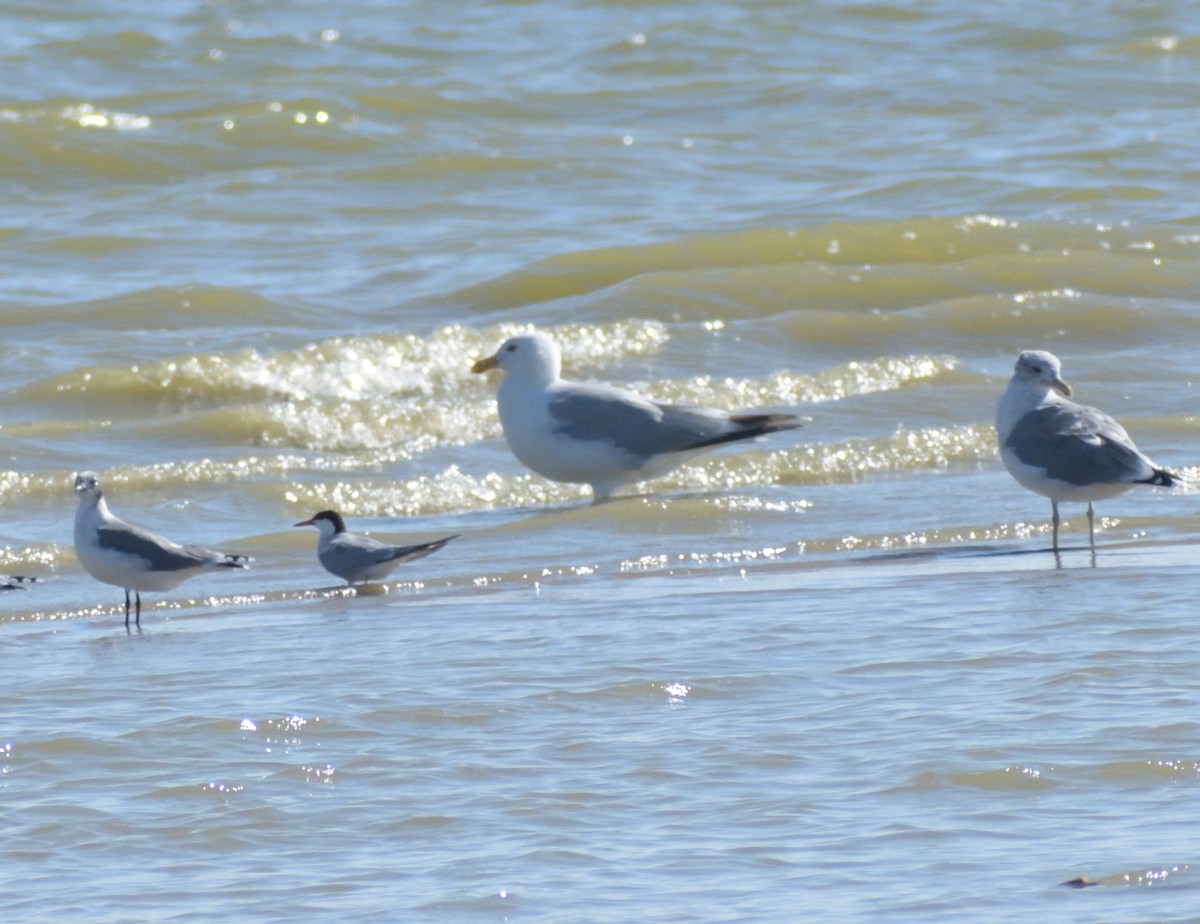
(247, 256)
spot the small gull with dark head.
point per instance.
(1063, 450)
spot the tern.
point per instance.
(115, 552)
(356, 558)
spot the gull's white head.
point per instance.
(528, 357)
(1039, 369)
(329, 522)
(87, 486)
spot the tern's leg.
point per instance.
(1054, 520)
(126, 607)
(137, 594)
(1091, 526)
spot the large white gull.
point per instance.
(115, 552)
(596, 434)
(1065, 451)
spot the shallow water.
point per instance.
(248, 256)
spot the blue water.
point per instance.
(247, 257)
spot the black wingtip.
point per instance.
(1164, 479)
(761, 424)
(751, 426)
(435, 545)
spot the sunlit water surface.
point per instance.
(248, 255)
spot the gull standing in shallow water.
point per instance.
(1063, 450)
(596, 434)
(356, 558)
(114, 552)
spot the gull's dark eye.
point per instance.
(510, 348)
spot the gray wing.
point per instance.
(159, 554)
(353, 551)
(349, 555)
(639, 427)
(1077, 444)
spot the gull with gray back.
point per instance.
(1062, 450)
(115, 552)
(597, 434)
